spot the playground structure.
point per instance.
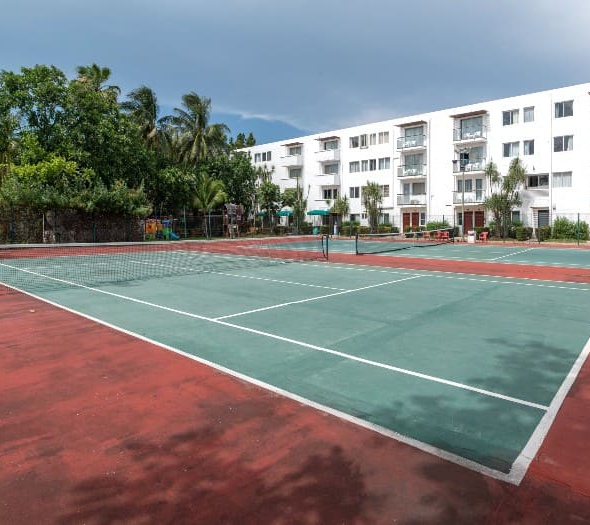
(233, 219)
(160, 229)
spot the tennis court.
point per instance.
(469, 368)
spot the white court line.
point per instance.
(511, 254)
(318, 298)
(344, 355)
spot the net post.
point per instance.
(356, 243)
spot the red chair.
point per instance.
(483, 236)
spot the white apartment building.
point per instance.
(417, 160)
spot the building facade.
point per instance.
(432, 166)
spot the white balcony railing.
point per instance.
(415, 141)
(471, 197)
(328, 179)
(416, 199)
(291, 160)
(411, 171)
(327, 155)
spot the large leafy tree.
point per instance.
(372, 198)
(269, 200)
(237, 174)
(505, 193)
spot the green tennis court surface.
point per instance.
(496, 253)
(466, 367)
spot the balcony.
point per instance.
(474, 165)
(471, 197)
(412, 142)
(471, 134)
(416, 199)
(291, 161)
(327, 179)
(411, 170)
(327, 155)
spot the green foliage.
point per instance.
(523, 233)
(372, 197)
(437, 225)
(544, 233)
(505, 193)
(237, 174)
(564, 228)
(341, 206)
(269, 199)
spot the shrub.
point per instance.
(563, 228)
(544, 233)
(384, 228)
(523, 233)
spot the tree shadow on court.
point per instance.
(459, 495)
(225, 473)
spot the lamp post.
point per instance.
(463, 161)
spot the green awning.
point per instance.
(261, 214)
(285, 213)
(318, 212)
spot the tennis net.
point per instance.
(390, 242)
(55, 266)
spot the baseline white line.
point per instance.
(528, 453)
(300, 301)
(344, 355)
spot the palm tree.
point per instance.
(143, 109)
(209, 193)
(195, 135)
(372, 201)
(95, 76)
(504, 193)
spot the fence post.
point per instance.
(578, 230)
(11, 224)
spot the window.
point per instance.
(354, 192)
(331, 169)
(384, 163)
(363, 141)
(528, 147)
(328, 145)
(294, 173)
(385, 190)
(354, 142)
(564, 109)
(385, 218)
(565, 143)
(529, 114)
(510, 117)
(468, 185)
(510, 149)
(471, 128)
(422, 218)
(562, 179)
(515, 216)
(330, 193)
(257, 157)
(266, 156)
(364, 165)
(372, 164)
(384, 137)
(538, 181)
(354, 167)
(372, 139)
(354, 217)
(294, 150)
